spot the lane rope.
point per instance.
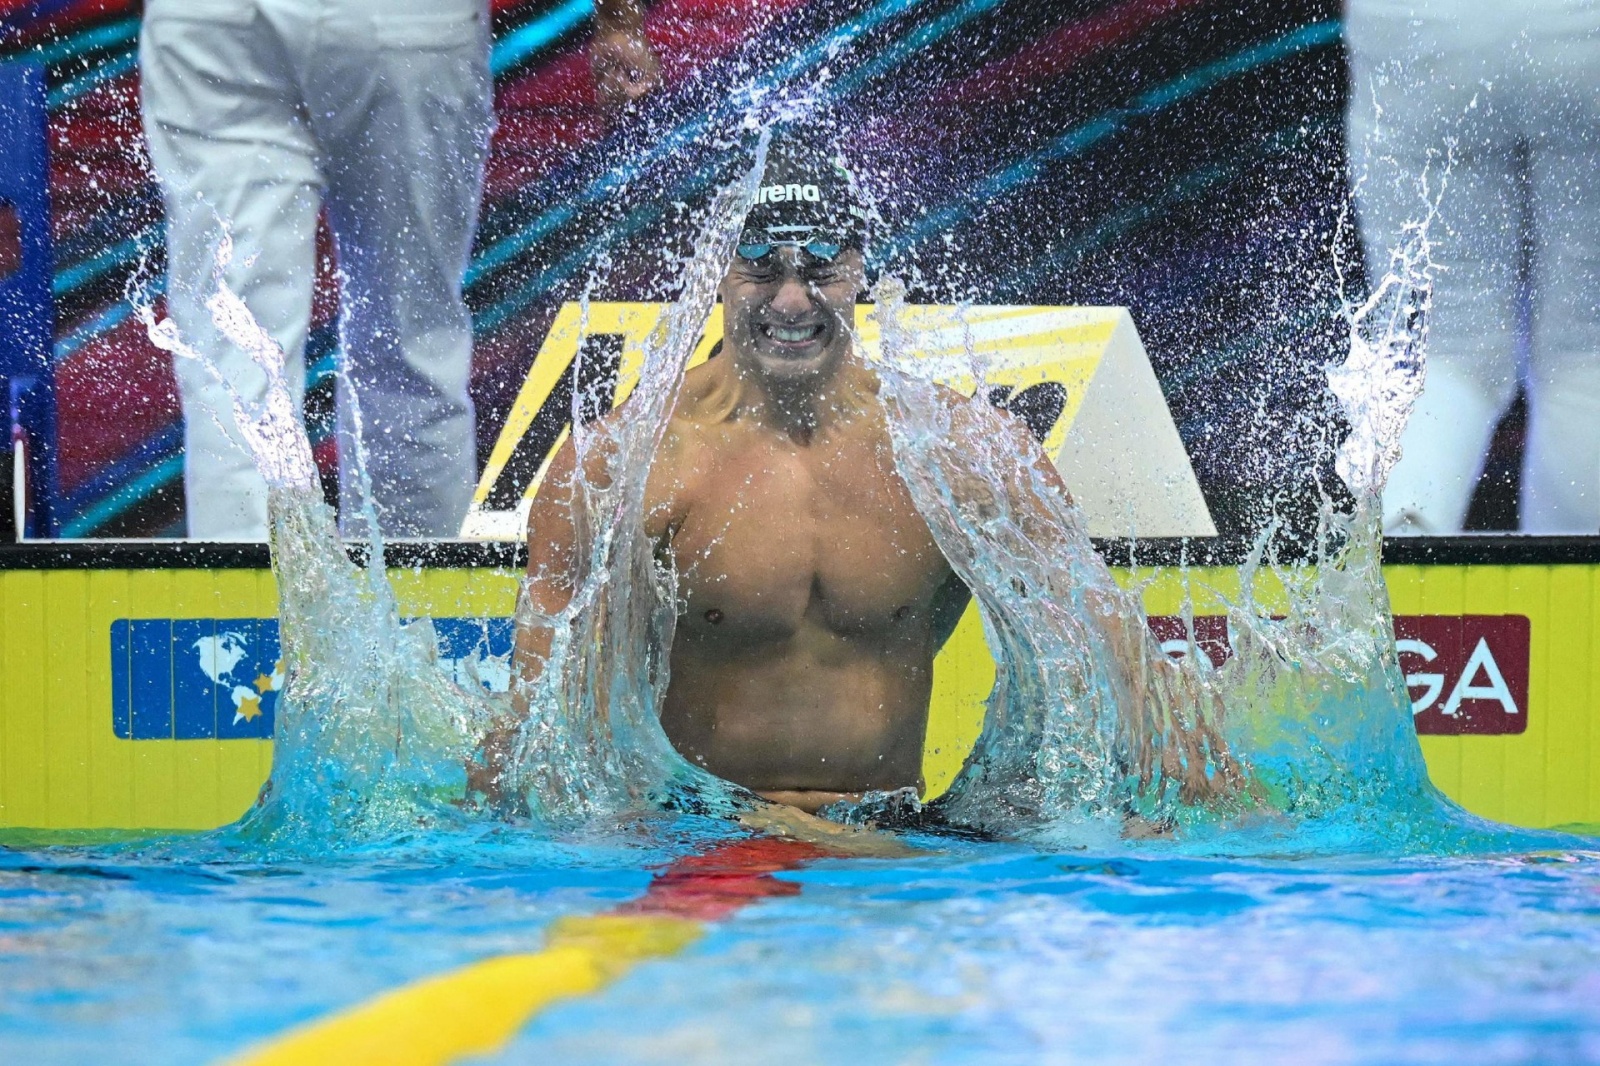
(476, 1009)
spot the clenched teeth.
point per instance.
(792, 334)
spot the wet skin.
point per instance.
(813, 597)
(803, 659)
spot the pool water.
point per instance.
(190, 951)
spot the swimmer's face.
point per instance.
(786, 316)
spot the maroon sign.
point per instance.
(1465, 673)
(1210, 636)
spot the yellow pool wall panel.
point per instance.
(1549, 775)
(61, 765)
(63, 768)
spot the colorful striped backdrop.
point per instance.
(1181, 157)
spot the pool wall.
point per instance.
(138, 680)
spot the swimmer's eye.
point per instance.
(760, 268)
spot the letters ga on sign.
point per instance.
(1465, 673)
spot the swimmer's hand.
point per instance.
(624, 67)
(488, 770)
(781, 820)
(1177, 740)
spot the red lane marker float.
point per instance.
(712, 885)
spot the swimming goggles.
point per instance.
(818, 243)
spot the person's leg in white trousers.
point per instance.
(1561, 471)
(254, 109)
(1412, 85)
(232, 147)
(1505, 90)
(405, 126)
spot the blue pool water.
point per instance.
(974, 952)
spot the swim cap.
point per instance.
(806, 198)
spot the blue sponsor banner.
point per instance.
(220, 678)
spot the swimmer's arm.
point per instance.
(552, 567)
(781, 820)
(1125, 629)
(1181, 747)
(546, 592)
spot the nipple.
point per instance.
(713, 615)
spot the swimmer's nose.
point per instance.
(793, 298)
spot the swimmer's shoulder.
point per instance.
(708, 394)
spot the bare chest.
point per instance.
(770, 537)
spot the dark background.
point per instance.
(1183, 158)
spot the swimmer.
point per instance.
(813, 597)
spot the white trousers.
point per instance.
(259, 112)
(1517, 87)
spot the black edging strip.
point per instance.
(200, 555)
(1498, 550)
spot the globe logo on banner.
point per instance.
(195, 678)
(221, 678)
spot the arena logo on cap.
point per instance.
(1466, 674)
(780, 194)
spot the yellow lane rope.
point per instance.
(476, 1009)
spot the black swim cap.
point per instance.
(805, 192)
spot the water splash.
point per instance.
(591, 743)
(1305, 731)
(371, 733)
(1378, 383)
(1304, 735)
(1088, 718)
(271, 429)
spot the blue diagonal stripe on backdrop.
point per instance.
(1202, 179)
(915, 41)
(106, 261)
(1088, 134)
(92, 79)
(123, 497)
(528, 40)
(104, 322)
(1077, 140)
(514, 244)
(150, 452)
(121, 33)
